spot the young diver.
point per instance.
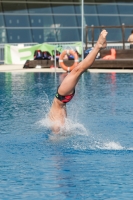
(66, 90)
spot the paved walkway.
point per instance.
(19, 68)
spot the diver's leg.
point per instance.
(68, 84)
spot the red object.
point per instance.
(62, 55)
(110, 57)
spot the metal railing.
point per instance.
(118, 44)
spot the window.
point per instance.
(3, 38)
(52, 20)
(19, 35)
(38, 8)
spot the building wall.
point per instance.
(30, 21)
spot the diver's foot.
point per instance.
(101, 43)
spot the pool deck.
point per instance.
(19, 68)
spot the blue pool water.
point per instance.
(92, 160)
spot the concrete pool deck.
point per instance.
(19, 68)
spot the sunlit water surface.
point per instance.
(91, 159)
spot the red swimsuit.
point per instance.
(65, 99)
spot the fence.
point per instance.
(119, 44)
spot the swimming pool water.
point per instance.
(93, 159)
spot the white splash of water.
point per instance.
(95, 145)
(70, 128)
(111, 146)
(84, 140)
(131, 149)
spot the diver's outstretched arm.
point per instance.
(70, 81)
